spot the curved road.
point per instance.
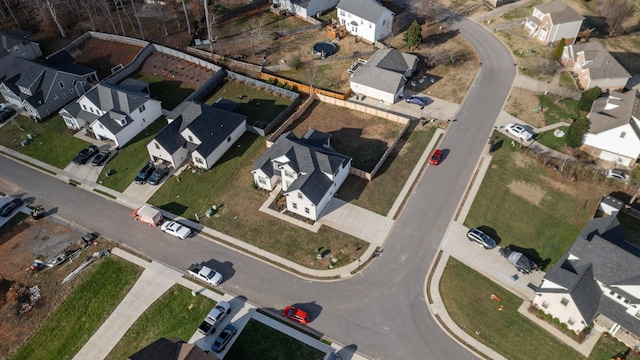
(382, 311)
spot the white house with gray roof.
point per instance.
(366, 19)
(592, 65)
(614, 128)
(199, 133)
(43, 88)
(552, 21)
(305, 8)
(309, 169)
(114, 112)
(384, 75)
(16, 43)
(597, 280)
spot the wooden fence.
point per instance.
(305, 88)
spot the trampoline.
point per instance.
(324, 49)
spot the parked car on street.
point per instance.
(85, 154)
(519, 131)
(144, 173)
(617, 174)
(418, 100)
(205, 274)
(176, 229)
(8, 208)
(6, 113)
(295, 314)
(100, 158)
(481, 238)
(160, 172)
(517, 259)
(436, 157)
(223, 339)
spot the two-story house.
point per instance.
(309, 169)
(592, 65)
(199, 133)
(384, 75)
(366, 19)
(114, 112)
(596, 281)
(304, 8)
(44, 88)
(552, 21)
(614, 128)
(16, 43)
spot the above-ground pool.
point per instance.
(324, 49)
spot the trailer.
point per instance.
(148, 215)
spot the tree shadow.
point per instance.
(365, 152)
(440, 38)
(175, 208)
(491, 232)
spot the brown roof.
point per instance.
(602, 65)
(612, 111)
(559, 12)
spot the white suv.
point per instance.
(519, 131)
(616, 174)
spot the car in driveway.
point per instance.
(99, 159)
(6, 113)
(223, 339)
(144, 173)
(519, 260)
(480, 238)
(293, 313)
(158, 174)
(85, 154)
(176, 229)
(617, 174)
(9, 207)
(436, 157)
(519, 131)
(418, 100)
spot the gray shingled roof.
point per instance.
(9, 40)
(109, 97)
(385, 70)
(601, 64)
(309, 161)
(211, 125)
(559, 12)
(613, 110)
(169, 137)
(369, 10)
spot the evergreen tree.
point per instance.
(576, 132)
(413, 35)
(557, 54)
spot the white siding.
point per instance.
(137, 122)
(370, 31)
(222, 148)
(298, 206)
(608, 83)
(386, 97)
(566, 30)
(631, 289)
(176, 159)
(614, 145)
(269, 183)
(560, 311)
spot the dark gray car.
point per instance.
(521, 262)
(481, 238)
(8, 208)
(144, 173)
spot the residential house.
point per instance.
(44, 88)
(305, 8)
(552, 21)
(384, 75)
(596, 281)
(16, 43)
(309, 170)
(592, 65)
(114, 112)
(174, 349)
(366, 19)
(614, 128)
(199, 132)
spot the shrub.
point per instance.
(280, 84)
(576, 132)
(271, 81)
(563, 326)
(288, 87)
(556, 321)
(296, 62)
(557, 54)
(588, 97)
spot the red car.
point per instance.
(296, 314)
(435, 158)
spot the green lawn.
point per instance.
(522, 11)
(53, 143)
(556, 111)
(258, 341)
(259, 106)
(64, 332)
(566, 80)
(524, 207)
(379, 194)
(466, 295)
(176, 314)
(129, 160)
(171, 93)
(551, 141)
(332, 77)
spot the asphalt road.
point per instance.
(382, 311)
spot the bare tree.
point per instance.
(135, 13)
(615, 12)
(435, 56)
(85, 4)
(54, 16)
(186, 17)
(426, 9)
(258, 35)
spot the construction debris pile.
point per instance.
(27, 298)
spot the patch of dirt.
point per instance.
(521, 103)
(102, 55)
(531, 193)
(25, 242)
(521, 160)
(173, 69)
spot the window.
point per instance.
(622, 135)
(611, 293)
(341, 12)
(102, 127)
(157, 146)
(294, 205)
(199, 160)
(288, 173)
(229, 139)
(299, 195)
(71, 91)
(141, 108)
(306, 210)
(370, 25)
(190, 138)
(64, 96)
(61, 85)
(84, 107)
(261, 180)
(545, 304)
(571, 321)
(564, 301)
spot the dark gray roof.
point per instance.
(369, 10)
(109, 97)
(385, 70)
(616, 312)
(134, 85)
(613, 110)
(211, 125)
(9, 40)
(559, 12)
(169, 137)
(613, 202)
(18, 33)
(309, 161)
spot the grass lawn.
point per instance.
(379, 194)
(566, 80)
(270, 22)
(53, 144)
(322, 76)
(549, 140)
(230, 184)
(171, 93)
(259, 106)
(130, 159)
(176, 314)
(609, 347)
(530, 205)
(259, 341)
(65, 331)
(521, 12)
(466, 295)
(556, 111)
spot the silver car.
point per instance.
(616, 174)
(481, 238)
(176, 229)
